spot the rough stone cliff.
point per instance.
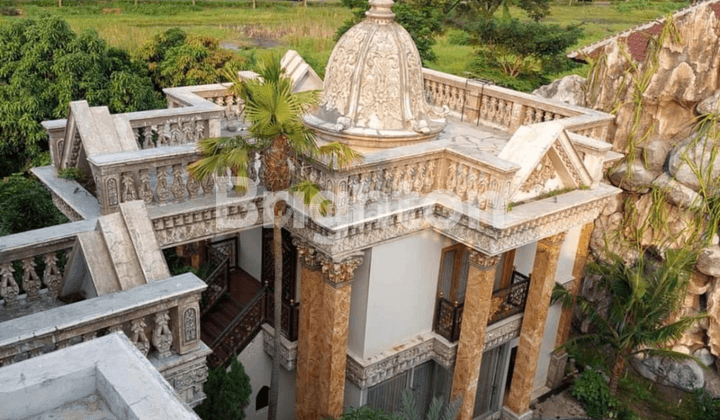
(660, 81)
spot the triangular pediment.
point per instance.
(547, 159)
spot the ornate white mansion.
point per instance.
(433, 272)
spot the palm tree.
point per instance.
(277, 132)
(642, 316)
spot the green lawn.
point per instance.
(283, 25)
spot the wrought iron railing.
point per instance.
(217, 281)
(505, 303)
(289, 316)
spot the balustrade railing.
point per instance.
(505, 303)
(510, 300)
(217, 281)
(239, 332)
(161, 317)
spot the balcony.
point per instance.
(505, 303)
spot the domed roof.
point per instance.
(373, 93)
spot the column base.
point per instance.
(556, 370)
(508, 414)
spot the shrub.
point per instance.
(21, 197)
(176, 59)
(72, 173)
(705, 407)
(593, 392)
(228, 393)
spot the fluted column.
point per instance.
(481, 277)
(309, 356)
(323, 332)
(517, 403)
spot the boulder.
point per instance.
(698, 152)
(709, 105)
(685, 375)
(655, 154)
(705, 356)
(709, 261)
(569, 89)
(634, 178)
(678, 194)
(713, 311)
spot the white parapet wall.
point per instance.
(110, 371)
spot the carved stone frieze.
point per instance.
(483, 261)
(64, 208)
(540, 175)
(431, 347)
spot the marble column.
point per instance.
(481, 278)
(337, 276)
(309, 356)
(323, 333)
(517, 403)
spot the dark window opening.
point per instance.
(261, 400)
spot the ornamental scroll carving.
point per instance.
(190, 325)
(481, 260)
(341, 67)
(560, 150)
(307, 253)
(540, 175)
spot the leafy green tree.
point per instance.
(228, 393)
(176, 59)
(486, 9)
(642, 315)
(22, 197)
(423, 19)
(43, 66)
(274, 113)
(523, 49)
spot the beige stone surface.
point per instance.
(122, 255)
(533, 326)
(144, 240)
(335, 319)
(308, 360)
(472, 335)
(97, 257)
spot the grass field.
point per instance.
(284, 25)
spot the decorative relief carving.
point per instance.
(64, 208)
(31, 281)
(288, 354)
(483, 261)
(146, 193)
(162, 336)
(560, 150)
(128, 187)
(138, 337)
(190, 326)
(307, 253)
(340, 272)
(52, 277)
(539, 176)
(340, 69)
(9, 288)
(112, 191)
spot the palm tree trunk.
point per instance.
(277, 298)
(617, 371)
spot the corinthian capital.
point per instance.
(340, 272)
(552, 241)
(308, 255)
(483, 261)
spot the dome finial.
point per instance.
(381, 11)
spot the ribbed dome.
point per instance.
(373, 91)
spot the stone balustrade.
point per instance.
(31, 275)
(483, 103)
(161, 318)
(472, 180)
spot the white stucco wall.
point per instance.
(566, 260)
(258, 365)
(401, 291)
(354, 396)
(359, 307)
(524, 258)
(251, 251)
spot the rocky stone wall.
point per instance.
(671, 171)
